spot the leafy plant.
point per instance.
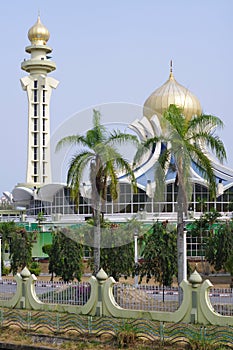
(126, 335)
(35, 268)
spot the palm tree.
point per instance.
(100, 155)
(185, 141)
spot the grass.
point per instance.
(15, 336)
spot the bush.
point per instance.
(35, 268)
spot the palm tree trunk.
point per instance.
(97, 234)
(180, 242)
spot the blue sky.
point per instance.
(114, 51)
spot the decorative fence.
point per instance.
(110, 328)
(102, 296)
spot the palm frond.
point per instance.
(72, 140)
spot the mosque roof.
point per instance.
(171, 92)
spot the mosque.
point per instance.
(40, 194)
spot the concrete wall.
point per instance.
(195, 307)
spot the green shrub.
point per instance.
(35, 268)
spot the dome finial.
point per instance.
(38, 34)
(171, 70)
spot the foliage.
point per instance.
(35, 268)
(102, 159)
(117, 245)
(219, 250)
(6, 230)
(46, 249)
(5, 270)
(126, 334)
(183, 141)
(205, 225)
(159, 256)
(20, 249)
(65, 255)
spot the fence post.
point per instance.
(195, 279)
(25, 274)
(101, 278)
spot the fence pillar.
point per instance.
(101, 279)
(24, 274)
(195, 280)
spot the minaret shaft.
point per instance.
(39, 88)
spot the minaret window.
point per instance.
(35, 124)
(43, 139)
(43, 125)
(43, 96)
(35, 153)
(43, 168)
(35, 84)
(44, 110)
(35, 178)
(35, 167)
(35, 139)
(35, 95)
(43, 153)
(35, 110)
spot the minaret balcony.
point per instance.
(34, 65)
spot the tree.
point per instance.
(40, 218)
(220, 246)
(118, 260)
(183, 140)
(20, 249)
(159, 255)
(204, 228)
(117, 247)
(6, 230)
(104, 162)
(65, 255)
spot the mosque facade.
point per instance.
(40, 194)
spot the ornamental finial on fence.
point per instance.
(101, 276)
(25, 273)
(195, 279)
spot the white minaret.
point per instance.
(39, 88)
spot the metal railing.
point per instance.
(7, 289)
(76, 293)
(146, 297)
(222, 300)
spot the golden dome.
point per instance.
(172, 93)
(38, 34)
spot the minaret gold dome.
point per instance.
(171, 92)
(38, 34)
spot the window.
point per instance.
(43, 139)
(35, 139)
(44, 110)
(43, 153)
(44, 125)
(43, 96)
(35, 95)
(35, 84)
(44, 168)
(35, 153)
(35, 178)
(35, 124)
(35, 167)
(35, 110)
